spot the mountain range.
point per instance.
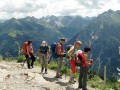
(101, 33)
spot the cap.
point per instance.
(43, 42)
(78, 42)
(62, 39)
(79, 52)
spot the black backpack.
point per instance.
(68, 47)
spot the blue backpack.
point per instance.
(53, 47)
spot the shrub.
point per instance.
(37, 63)
(53, 66)
(21, 58)
(8, 58)
(1, 57)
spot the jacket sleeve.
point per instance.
(28, 51)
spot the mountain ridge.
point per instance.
(101, 33)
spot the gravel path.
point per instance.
(13, 76)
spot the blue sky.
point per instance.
(39, 8)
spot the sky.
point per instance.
(39, 8)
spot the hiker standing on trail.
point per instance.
(84, 68)
(60, 53)
(30, 55)
(44, 55)
(71, 54)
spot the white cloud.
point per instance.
(39, 8)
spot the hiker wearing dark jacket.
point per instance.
(60, 53)
(44, 55)
(84, 69)
(30, 55)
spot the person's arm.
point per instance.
(32, 48)
(48, 51)
(86, 59)
(28, 51)
(59, 51)
(70, 52)
(39, 54)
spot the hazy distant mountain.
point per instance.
(67, 25)
(49, 28)
(2, 20)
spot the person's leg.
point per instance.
(46, 64)
(51, 57)
(80, 78)
(60, 59)
(42, 63)
(40, 58)
(73, 71)
(28, 61)
(33, 60)
(24, 60)
(85, 78)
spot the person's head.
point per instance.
(78, 44)
(62, 41)
(29, 42)
(43, 43)
(87, 49)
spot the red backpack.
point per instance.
(79, 59)
(24, 48)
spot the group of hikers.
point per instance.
(75, 56)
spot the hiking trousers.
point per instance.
(60, 60)
(73, 66)
(83, 78)
(44, 61)
(32, 57)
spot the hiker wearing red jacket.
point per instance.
(84, 68)
(30, 55)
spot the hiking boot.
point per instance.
(79, 87)
(42, 70)
(85, 89)
(45, 71)
(29, 68)
(74, 80)
(60, 74)
(71, 81)
(58, 77)
(32, 66)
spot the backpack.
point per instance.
(67, 49)
(53, 47)
(79, 59)
(24, 48)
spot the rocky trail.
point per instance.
(13, 76)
